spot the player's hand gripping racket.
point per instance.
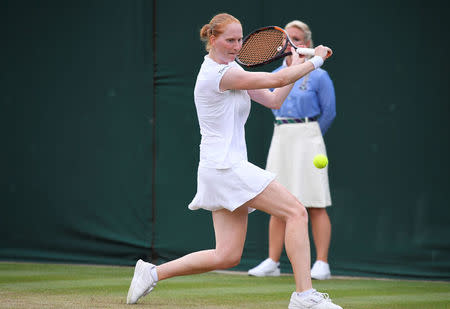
(265, 45)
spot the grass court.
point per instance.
(28, 285)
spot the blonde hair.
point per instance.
(303, 27)
(216, 27)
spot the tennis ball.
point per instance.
(320, 161)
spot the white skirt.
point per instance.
(291, 155)
(229, 188)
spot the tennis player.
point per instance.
(227, 184)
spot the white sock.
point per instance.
(275, 263)
(154, 274)
(305, 293)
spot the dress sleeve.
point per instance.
(221, 70)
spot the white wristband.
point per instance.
(317, 61)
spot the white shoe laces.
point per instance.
(324, 296)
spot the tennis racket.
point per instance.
(265, 45)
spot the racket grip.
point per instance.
(305, 51)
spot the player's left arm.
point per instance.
(327, 102)
(271, 99)
(275, 99)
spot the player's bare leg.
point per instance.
(279, 202)
(230, 230)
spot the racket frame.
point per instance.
(280, 53)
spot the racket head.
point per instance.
(263, 46)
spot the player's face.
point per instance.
(227, 45)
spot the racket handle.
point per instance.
(305, 51)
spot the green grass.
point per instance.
(24, 285)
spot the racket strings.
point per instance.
(262, 46)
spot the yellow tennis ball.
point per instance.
(320, 161)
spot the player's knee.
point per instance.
(228, 260)
(299, 214)
(233, 261)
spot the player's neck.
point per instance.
(216, 58)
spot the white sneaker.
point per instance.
(320, 271)
(268, 267)
(142, 283)
(315, 300)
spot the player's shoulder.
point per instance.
(209, 66)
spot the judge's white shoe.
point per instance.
(142, 282)
(314, 300)
(266, 268)
(320, 271)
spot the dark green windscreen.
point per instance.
(76, 130)
(100, 134)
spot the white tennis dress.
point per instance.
(225, 178)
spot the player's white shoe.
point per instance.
(320, 271)
(142, 282)
(314, 300)
(266, 268)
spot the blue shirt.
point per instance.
(313, 98)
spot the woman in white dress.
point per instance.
(228, 185)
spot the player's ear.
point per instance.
(212, 39)
(308, 44)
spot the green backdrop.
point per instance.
(100, 135)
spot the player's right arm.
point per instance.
(257, 83)
(236, 78)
